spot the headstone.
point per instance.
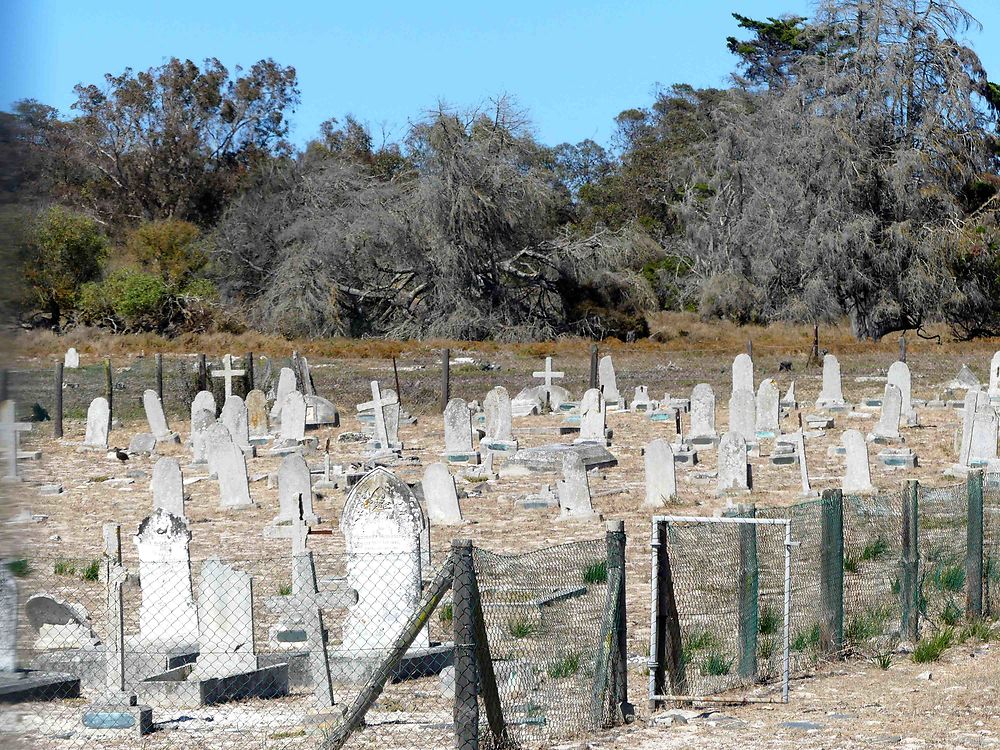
(608, 382)
(661, 476)
(703, 430)
(293, 419)
(888, 423)
(640, 400)
(733, 465)
(857, 475)
(10, 428)
(58, 623)
(743, 373)
(156, 418)
(204, 400)
(975, 404)
(257, 424)
(295, 491)
(593, 418)
(385, 411)
(201, 420)
(789, 400)
(574, 489)
(167, 613)
(743, 415)
(498, 414)
(899, 376)
(832, 394)
(458, 431)
(983, 448)
(768, 409)
(167, 486)
(965, 379)
(97, 424)
(228, 373)
(8, 621)
(236, 418)
(994, 391)
(529, 401)
(383, 528)
(286, 384)
(440, 495)
(72, 359)
(228, 463)
(320, 411)
(225, 622)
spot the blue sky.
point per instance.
(572, 65)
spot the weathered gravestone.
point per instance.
(857, 475)
(10, 428)
(201, 420)
(983, 450)
(167, 486)
(641, 401)
(499, 429)
(887, 429)
(204, 400)
(899, 376)
(293, 419)
(286, 384)
(385, 418)
(440, 495)
(703, 430)
(608, 382)
(98, 415)
(156, 418)
(229, 465)
(257, 423)
(994, 391)
(661, 475)
(832, 394)
(574, 490)
(743, 415)
(976, 402)
(458, 433)
(768, 410)
(71, 360)
(789, 401)
(743, 379)
(734, 469)
(58, 623)
(8, 620)
(167, 614)
(226, 642)
(236, 418)
(294, 492)
(593, 418)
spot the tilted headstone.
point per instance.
(965, 379)
(293, 419)
(661, 476)
(743, 378)
(574, 489)
(236, 418)
(286, 384)
(392, 412)
(385, 414)
(832, 394)
(58, 623)
(857, 475)
(228, 463)
(156, 418)
(899, 376)
(888, 423)
(167, 613)
(608, 381)
(383, 526)
(768, 409)
(200, 422)
(167, 486)
(97, 424)
(457, 428)
(8, 621)
(204, 400)
(440, 495)
(295, 491)
(743, 415)
(994, 391)
(225, 622)
(71, 361)
(593, 418)
(733, 464)
(703, 428)
(984, 440)
(257, 424)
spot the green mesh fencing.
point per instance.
(943, 513)
(991, 545)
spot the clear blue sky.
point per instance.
(572, 65)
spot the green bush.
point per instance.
(135, 300)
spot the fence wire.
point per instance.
(943, 513)
(991, 545)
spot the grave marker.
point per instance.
(228, 463)
(743, 378)
(661, 475)
(167, 613)
(440, 495)
(98, 416)
(733, 465)
(832, 394)
(857, 475)
(156, 418)
(167, 486)
(574, 490)
(228, 373)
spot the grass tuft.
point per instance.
(596, 572)
(521, 627)
(64, 568)
(92, 572)
(978, 629)
(285, 589)
(769, 622)
(447, 612)
(20, 567)
(951, 613)
(806, 639)
(716, 664)
(931, 649)
(564, 667)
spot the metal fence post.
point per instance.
(666, 659)
(466, 710)
(445, 378)
(831, 573)
(974, 547)
(909, 564)
(57, 417)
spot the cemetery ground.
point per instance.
(852, 704)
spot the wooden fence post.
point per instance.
(445, 378)
(57, 417)
(159, 376)
(395, 378)
(4, 384)
(593, 365)
(666, 659)
(831, 573)
(814, 354)
(974, 547)
(618, 687)
(248, 366)
(202, 373)
(750, 347)
(466, 709)
(748, 599)
(109, 391)
(909, 564)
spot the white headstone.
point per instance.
(833, 392)
(72, 359)
(167, 486)
(743, 373)
(167, 613)
(295, 481)
(154, 415)
(789, 398)
(293, 418)
(440, 495)
(640, 399)
(733, 474)
(201, 420)
(984, 440)
(256, 404)
(608, 381)
(286, 384)
(743, 415)
(97, 423)
(661, 476)
(994, 391)
(574, 489)
(204, 400)
(975, 403)
(8, 621)
(497, 409)
(383, 526)
(857, 475)
(236, 418)
(225, 622)
(457, 427)
(228, 463)
(593, 417)
(888, 423)
(899, 376)
(768, 409)
(703, 412)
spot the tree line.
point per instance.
(850, 168)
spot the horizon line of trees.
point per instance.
(851, 168)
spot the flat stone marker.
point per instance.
(228, 373)
(549, 458)
(440, 495)
(228, 463)
(98, 415)
(156, 418)
(743, 378)
(703, 430)
(857, 475)
(204, 400)
(167, 613)
(661, 475)
(832, 394)
(733, 465)
(167, 486)
(236, 418)
(574, 490)
(225, 621)
(743, 415)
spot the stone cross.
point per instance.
(661, 476)
(377, 404)
(228, 373)
(9, 430)
(548, 374)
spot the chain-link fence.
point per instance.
(991, 544)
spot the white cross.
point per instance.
(228, 373)
(378, 404)
(548, 373)
(10, 430)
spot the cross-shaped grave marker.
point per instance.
(378, 404)
(9, 431)
(307, 602)
(548, 374)
(228, 373)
